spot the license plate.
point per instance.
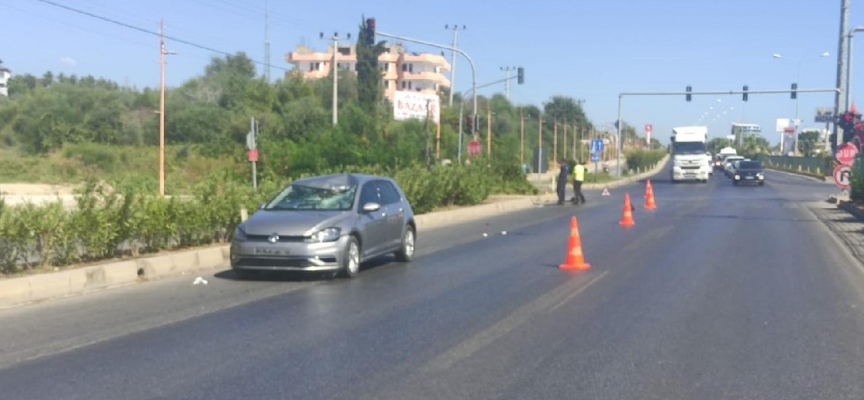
(748, 177)
(270, 251)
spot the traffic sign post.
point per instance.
(474, 148)
(846, 154)
(596, 151)
(252, 145)
(842, 175)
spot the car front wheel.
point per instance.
(406, 252)
(351, 258)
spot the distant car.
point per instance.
(718, 162)
(326, 224)
(749, 172)
(729, 164)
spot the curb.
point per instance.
(41, 287)
(630, 179)
(815, 177)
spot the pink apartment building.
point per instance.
(401, 70)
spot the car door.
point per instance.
(395, 214)
(373, 224)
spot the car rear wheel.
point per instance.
(406, 252)
(351, 259)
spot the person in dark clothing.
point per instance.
(562, 182)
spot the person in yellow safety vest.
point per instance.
(578, 178)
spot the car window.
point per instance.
(369, 194)
(750, 165)
(389, 195)
(299, 198)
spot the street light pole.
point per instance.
(453, 61)
(334, 68)
(162, 54)
(470, 62)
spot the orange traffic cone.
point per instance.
(575, 258)
(627, 218)
(649, 197)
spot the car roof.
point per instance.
(338, 180)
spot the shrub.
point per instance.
(643, 159)
(105, 223)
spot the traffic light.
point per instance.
(689, 96)
(520, 75)
(469, 125)
(745, 92)
(848, 121)
(370, 31)
(794, 91)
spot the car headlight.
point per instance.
(240, 233)
(737, 177)
(324, 235)
(760, 176)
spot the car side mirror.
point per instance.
(371, 207)
(261, 206)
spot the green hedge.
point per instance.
(106, 225)
(643, 159)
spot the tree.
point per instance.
(563, 108)
(369, 90)
(807, 141)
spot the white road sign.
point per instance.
(407, 105)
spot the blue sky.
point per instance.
(589, 50)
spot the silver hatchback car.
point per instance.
(328, 223)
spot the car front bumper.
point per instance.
(748, 179)
(291, 256)
(689, 174)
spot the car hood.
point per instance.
(294, 223)
(749, 171)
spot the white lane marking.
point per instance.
(484, 338)
(580, 290)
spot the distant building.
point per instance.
(421, 72)
(5, 74)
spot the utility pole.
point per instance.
(267, 39)
(455, 29)
(839, 103)
(564, 136)
(507, 80)
(488, 131)
(334, 69)
(573, 150)
(162, 54)
(539, 145)
(555, 140)
(426, 128)
(521, 136)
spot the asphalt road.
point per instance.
(722, 292)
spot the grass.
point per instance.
(117, 165)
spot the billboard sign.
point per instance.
(416, 105)
(824, 114)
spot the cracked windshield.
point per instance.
(272, 199)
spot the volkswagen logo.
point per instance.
(273, 238)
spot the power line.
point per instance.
(149, 32)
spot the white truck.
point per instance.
(689, 158)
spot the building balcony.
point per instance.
(433, 77)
